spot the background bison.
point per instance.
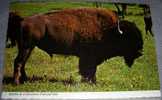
(13, 28)
(91, 34)
(147, 20)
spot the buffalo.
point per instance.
(147, 19)
(148, 24)
(13, 28)
(92, 34)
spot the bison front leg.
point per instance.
(87, 69)
(19, 66)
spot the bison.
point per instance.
(13, 28)
(92, 34)
(147, 20)
(148, 24)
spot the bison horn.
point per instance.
(120, 31)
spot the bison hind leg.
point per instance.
(19, 74)
(23, 77)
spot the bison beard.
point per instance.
(89, 33)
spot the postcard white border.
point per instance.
(135, 95)
(156, 7)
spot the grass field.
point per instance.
(60, 73)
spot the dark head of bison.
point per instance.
(130, 43)
(13, 28)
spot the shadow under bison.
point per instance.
(92, 34)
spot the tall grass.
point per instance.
(60, 73)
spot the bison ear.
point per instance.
(129, 61)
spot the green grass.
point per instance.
(60, 73)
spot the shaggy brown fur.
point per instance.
(89, 33)
(89, 23)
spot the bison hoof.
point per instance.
(16, 82)
(20, 81)
(89, 80)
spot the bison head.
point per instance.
(131, 41)
(129, 44)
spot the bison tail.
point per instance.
(120, 31)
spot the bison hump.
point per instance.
(85, 23)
